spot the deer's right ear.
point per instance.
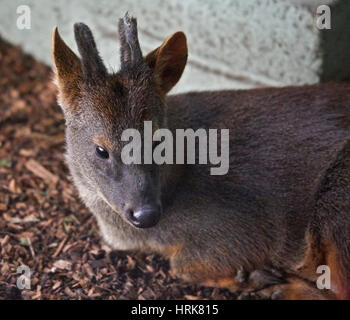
(68, 72)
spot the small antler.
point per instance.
(91, 61)
(130, 50)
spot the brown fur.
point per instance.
(169, 60)
(67, 69)
(281, 210)
(297, 289)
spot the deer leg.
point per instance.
(214, 275)
(296, 289)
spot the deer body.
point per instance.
(268, 223)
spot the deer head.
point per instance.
(98, 106)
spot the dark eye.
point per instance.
(102, 152)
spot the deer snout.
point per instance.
(144, 217)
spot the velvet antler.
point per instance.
(130, 50)
(92, 64)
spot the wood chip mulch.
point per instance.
(43, 224)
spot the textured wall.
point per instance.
(232, 43)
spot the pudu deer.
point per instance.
(282, 209)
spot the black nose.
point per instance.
(144, 217)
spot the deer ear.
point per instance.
(168, 61)
(68, 71)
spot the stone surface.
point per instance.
(232, 43)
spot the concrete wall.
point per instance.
(232, 43)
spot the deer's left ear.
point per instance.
(68, 71)
(168, 61)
